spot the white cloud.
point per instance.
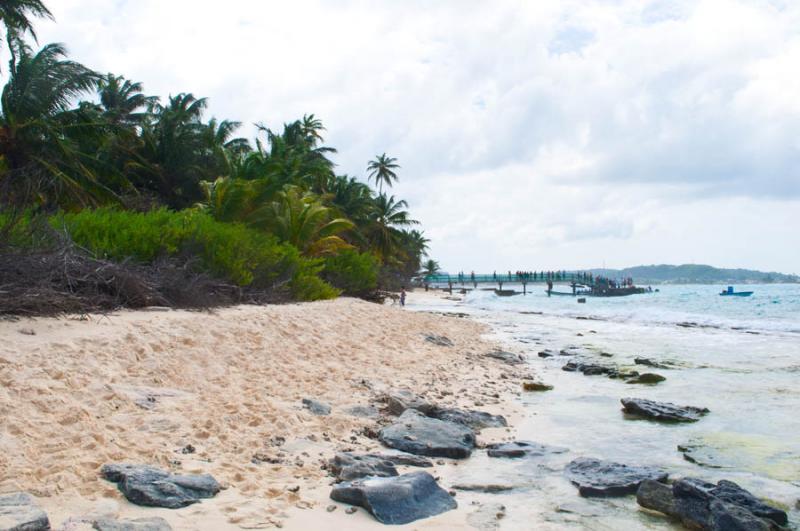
(531, 134)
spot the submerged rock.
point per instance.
(477, 420)
(646, 378)
(417, 434)
(522, 449)
(662, 411)
(589, 369)
(150, 486)
(397, 500)
(721, 507)
(20, 512)
(155, 523)
(317, 408)
(650, 363)
(594, 477)
(507, 357)
(401, 399)
(547, 353)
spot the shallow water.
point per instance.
(740, 357)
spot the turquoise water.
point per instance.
(774, 307)
(740, 357)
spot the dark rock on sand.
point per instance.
(477, 420)
(536, 386)
(317, 408)
(441, 341)
(397, 500)
(507, 357)
(721, 507)
(662, 411)
(150, 486)
(522, 449)
(401, 399)
(155, 523)
(20, 512)
(594, 477)
(646, 378)
(417, 434)
(405, 460)
(347, 466)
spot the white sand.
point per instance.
(140, 386)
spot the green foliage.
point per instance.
(229, 250)
(276, 212)
(353, 272)
(306, 284)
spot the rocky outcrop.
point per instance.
(518, 449)
(662, 411)
(477, 420)
(317, 408)
(594, 477)
(20, 512)
(396, 500)
(417, 434)
(154, 523)
(721, 507)
(150, 486)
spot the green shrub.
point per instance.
(242, 255)
(353, 272)
(306, 284)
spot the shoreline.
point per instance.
(220, 392)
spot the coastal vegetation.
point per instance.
(92, 165)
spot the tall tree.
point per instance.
(387, 218)
(381, 170)
(41, 160)
(16, 17)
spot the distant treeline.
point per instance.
(695, 274)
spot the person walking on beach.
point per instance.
(403, 296)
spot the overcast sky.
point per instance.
(535, 134)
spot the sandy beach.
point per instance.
(220, 392)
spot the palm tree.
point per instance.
(42, 159)
(387, 218)
(301, 220)
(123, 101)
(14, 14)
(430, 267)
(381, 170)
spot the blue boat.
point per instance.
(730, 293)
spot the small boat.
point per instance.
(730, 293)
